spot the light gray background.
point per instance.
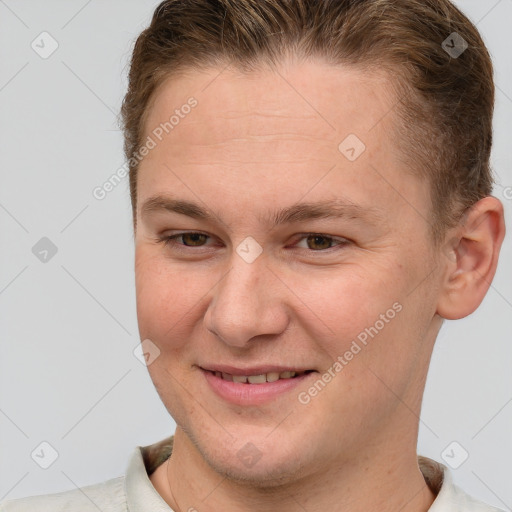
(68, 327)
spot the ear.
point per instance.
(471, 257)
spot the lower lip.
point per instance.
(241, 393)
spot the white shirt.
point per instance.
(134, 491)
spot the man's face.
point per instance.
(253, 288)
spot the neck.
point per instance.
(384, 481)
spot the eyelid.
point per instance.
(169, 239)
(342, 241)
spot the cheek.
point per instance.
(168, 299)
(382, 340)
(347, 306)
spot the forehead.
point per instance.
(310, 98)
(283, 129)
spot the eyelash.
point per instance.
(171, 241)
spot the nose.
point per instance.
(247, 302)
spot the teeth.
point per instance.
(272, 376)
(256, 379)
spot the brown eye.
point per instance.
(193, 239)
(190, 239)
(319, 242)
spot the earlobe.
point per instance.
(471, 258)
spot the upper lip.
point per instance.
(253, 370)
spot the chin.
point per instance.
(254, 459)
(264, 474)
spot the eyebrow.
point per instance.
(334, 208)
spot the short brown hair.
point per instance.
(444, 102)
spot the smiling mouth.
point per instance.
(259, 379)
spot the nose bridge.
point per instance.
(244, 304)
